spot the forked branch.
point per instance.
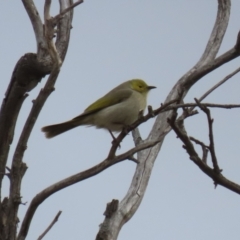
(211, 138)
(215, 172)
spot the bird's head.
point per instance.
(140, 86)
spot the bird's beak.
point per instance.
(151, 87)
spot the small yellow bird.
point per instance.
(117, 109)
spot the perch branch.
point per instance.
(43, 195)
(140, 120)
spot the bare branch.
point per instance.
(132, 158)
(212, 105)
(215, 87)
(136, 136)
(43, 195)
(64, 28)
(17, 164)
(211, 139)
(206, 64)
(217, 177)
(26, 75)
(22, 143)
(42, 50)
(147, 150)
(218, 32)
(204, 148)
(141, 120)
(49, 34)
(219, 84)
(111, 208)
(50, 226)
(210, 91)
(58, 17)
(39, 102)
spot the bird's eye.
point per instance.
(140, 86)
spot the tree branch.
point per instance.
(17, 163)
(43, 195)
(218, 32)
(205, 65)
(50, 226)
(146, 158)
(42, 49)
(211, 139)
(58, 17)
(217, 177)
(219, 84)
(204, 148)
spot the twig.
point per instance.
(218, 178)
(219, 84)
(50, 226)
(152, 113)
(213, 105)
(216, 86)
(60, 15)
(211, 139)
(204, 148)
(132, 158)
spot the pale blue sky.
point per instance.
(111, 42)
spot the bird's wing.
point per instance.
(107, 101)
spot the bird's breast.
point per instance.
(122, 114)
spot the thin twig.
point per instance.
(213, 105)
(219, 84)
(50, 226)
(132, 158)
(215, 87)
(60, 15)
(218, 178)
(204, 148)
(211, 138)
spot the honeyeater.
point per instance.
(117, 109)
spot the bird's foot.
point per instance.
(114, 141)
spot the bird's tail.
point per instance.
(56, 129)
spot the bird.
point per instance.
(114, 111)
